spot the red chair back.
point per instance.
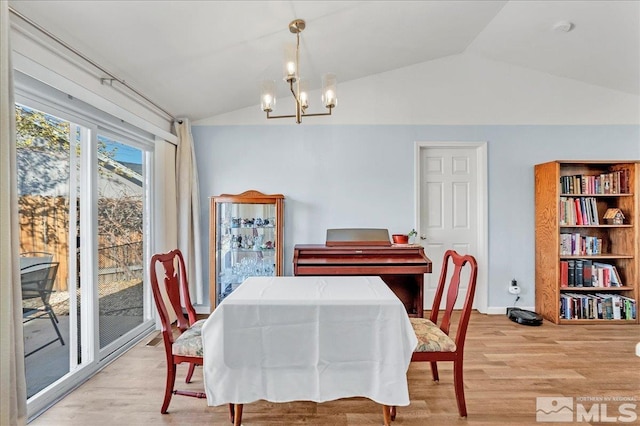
(176, 288)
(451, 257)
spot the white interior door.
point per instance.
(451, 199)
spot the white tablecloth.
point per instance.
(317, 339)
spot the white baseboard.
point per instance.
(502, 310)
(202, 309)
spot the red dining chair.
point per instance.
(434, 342)
(187, 346)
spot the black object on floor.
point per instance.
(524, 317)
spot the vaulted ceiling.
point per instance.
(203, 58)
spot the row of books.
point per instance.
(616, 182)
(578, 211)
(579, 245)
(587, 273)
(597, 306)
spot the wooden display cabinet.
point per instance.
(586, 238)
(245, 239)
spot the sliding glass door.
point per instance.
(84, 194)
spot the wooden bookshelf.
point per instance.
(618, 243)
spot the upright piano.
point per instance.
(359, 251)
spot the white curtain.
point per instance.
(13, 389)
(189, 209)
(165, 216)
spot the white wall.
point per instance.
(355, 169)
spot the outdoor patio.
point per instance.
(120, 311)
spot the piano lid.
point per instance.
(357, 237)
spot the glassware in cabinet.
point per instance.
(246, 236)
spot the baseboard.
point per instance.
(502, 310)
(202, 309)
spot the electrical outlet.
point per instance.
(514, 288)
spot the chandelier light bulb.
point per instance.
(291, 70)
(304, 94)
(268, 95)
(329, 98)
(290, 62)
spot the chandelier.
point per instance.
(297, 86)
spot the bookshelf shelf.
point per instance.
(564, 194)
(562, 296)
(597, 226)
(595, 321)
(598, 256)
(592, 289)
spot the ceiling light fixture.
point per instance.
(297, 86)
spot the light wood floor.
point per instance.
(506, 367)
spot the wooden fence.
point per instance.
(44, 227)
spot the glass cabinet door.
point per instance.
(246, 240)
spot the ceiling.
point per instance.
(198, 59)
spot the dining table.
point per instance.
(311, 338)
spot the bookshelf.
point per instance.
(587, 267)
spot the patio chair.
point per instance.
(37, 285)
(29, 258)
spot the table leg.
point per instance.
(237, 421)
(386, 414)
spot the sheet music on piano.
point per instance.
(357, 237)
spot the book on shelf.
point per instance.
(593, 245)
(630, 308)
(564, 273)
(579, 273)
(577, 245)
(597, 306)
(588, 273)
(578, 211)
(593, 208)
(571, 273)
(610, 276)
(614, 182)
